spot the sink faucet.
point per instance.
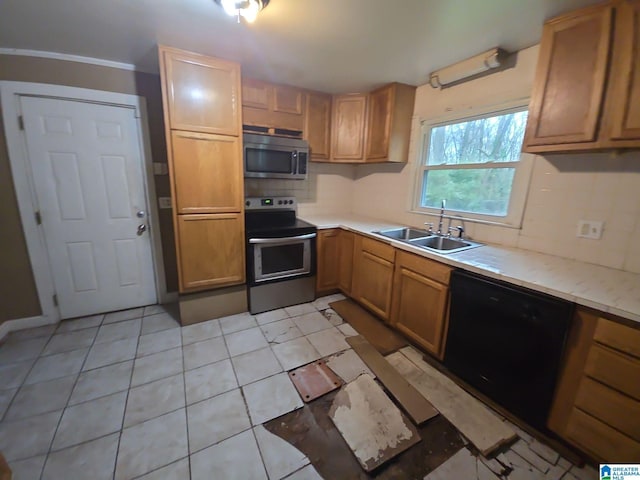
(442, 205)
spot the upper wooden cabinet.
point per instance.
(420, 296)
(586, 92)
(317, 124)
(207, 172)
(349, 115)
(389, 123)
(272, 106)
(623, 115)
(202, 93)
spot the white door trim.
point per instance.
(25, 192)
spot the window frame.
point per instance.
(521, 180)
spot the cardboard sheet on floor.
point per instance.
(373, 427)
(412, 401)
(314, 380)
(471, 417)
(373, 329)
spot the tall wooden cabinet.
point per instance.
(202, 100)
(586, 92)
(420, 298)
(373, 275)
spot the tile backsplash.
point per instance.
(327, 189)
(568, 188)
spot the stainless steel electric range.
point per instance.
(281, 254)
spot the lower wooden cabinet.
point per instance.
(373, 275)
(211, 250)
(345, 261)
(420, 295)
(597, 400)
(328, 269)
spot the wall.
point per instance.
(16, 279)
(563, 188)
(327, 189)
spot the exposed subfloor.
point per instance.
(131, 394)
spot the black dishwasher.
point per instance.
(507, 342)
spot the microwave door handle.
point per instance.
(282, 240)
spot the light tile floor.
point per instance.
(131, 394)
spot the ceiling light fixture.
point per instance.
(247, 9)
(470, 67)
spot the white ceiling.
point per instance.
(330, 45)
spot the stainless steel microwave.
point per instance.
(267, 156)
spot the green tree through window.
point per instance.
(472, 163)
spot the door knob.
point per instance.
(141, 229)
(140, 214)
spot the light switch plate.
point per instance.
(164, 202)
(590, 229)
(160, 168)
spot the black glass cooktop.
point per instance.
(276, 223)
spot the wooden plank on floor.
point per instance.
(416, 406)
(370, 327)
(472, 418)
(373, 427)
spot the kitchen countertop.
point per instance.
(605, 289)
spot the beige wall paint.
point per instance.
(17, 288)
(563, 189)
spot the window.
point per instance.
(476, 165)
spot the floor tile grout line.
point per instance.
(164, 466)
(255, 439)
(64, 409)
(186, 406)
(126, 401)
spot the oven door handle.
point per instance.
(282, 239)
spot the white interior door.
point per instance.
(87, 172)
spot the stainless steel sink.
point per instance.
(444, 244)
(404, 234)
(428, 240)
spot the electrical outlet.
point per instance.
(164, 202)
(590, 229)
(160, 168)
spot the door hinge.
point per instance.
(38, 218)
(21, 122)
(55, 299)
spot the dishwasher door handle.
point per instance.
(282, 240)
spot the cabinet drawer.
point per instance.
(618, 336)
(602, 440)
(429, 268)
(613, 408)
(378, 249)
(613, 369)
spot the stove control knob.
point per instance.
(247, 203)
(279, 202)
(290, 202)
